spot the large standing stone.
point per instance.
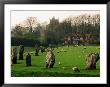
(91, 60)
(50, 58)
(21, 51)
(28, 60)
(14, 56)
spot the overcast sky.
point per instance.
(44, 16)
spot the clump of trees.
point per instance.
(55, 31)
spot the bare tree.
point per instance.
(31, 22)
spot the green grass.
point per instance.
(75, 56)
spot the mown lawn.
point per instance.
(74, 56)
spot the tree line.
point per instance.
(54, 32)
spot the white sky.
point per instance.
(44, 16)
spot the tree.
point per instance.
(17, 31)
(31, 22)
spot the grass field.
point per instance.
(74, 56)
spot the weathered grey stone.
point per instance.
(50, 58)
(36, 50)
(21, 51)
(14, 56)
(91, 60)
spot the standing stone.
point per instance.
(28, 60)
(91, 60)
(14, 56)
(21, 51)
(97, 57)
(36, 50)
(50, 58)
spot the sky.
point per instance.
(44, 16)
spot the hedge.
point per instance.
(23, 41)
